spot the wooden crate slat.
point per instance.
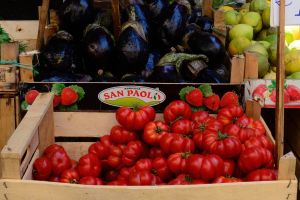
(36, 190)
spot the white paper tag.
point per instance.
(292, 12)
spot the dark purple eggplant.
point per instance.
(75, 15)
(153, 59)
(204, 22)
(224, 73)
(190, 70)
(166, 74)
(99, 49)
(157, 10)
(60, 54)
(172, 28)
(199, 42)
(104, 18)
(132, 48)
(209, 76)
(132, 78)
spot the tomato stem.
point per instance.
(222, 136)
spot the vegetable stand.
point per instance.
(41, 126)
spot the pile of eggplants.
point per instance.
(159, 41)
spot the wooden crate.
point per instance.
(41, 125)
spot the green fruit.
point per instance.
(265, 44)
(257, 48)
(289, 38)
(253, 19)
(295, 75)
(238, 45)
(266, 17)
(263, 65)
(273, 53)
(262, 34)
(272, 39)
(258, 5)
(232, 17)
(292, 62)
(241, 30)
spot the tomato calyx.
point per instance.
(222, 136)
(188, 178)
(158, 130)
(185, 155)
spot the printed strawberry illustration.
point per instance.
(211, 100)
(31, 96)
(68, 96)
(294, 92)
(229, 98)
(272, 90)
(194, 97)
(258, 93)
(56, 100)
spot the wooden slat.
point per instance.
(115, 5)
(28, 173)
(26, 75)
(253, 109)
(21, 30)
(280, 76)
(237, 69)
(287, 166)
(75, 149)
(37, 190)
(21, 139)
(207, 8)
(10, 51)
(84, 124)
(251, 66)
(42, 23)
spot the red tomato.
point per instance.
(89, 165)
(141, 178)
(124, 173)
(120, 135)
(182, 126)
(153, 131)
(199, 116)
(135, 119)
(243, 133)
(176, 143)
(132, 152)
(51, 149)
(205, 167)
(198, 140)
(177, 162)
(223, 179)
(229, 167)
(258, 127)
(143, 165)
(110, 175)
(100, 150)
(259, 141)
(105, 140)
(185, 179)
(175, 110)
(255, 158)
(156, 152)
(91, 180)
(60, 162)
(224, 145)
(70, 176)
(208, 124)
(117, 182)
(230, 114)
(160, 168)
(114, 159)
(262, 175)
(42, 168)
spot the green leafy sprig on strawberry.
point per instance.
(203, 98)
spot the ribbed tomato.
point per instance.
(230, 114)
(175, 143)
(177, 162)
(120, 135)
(177, 110)
(223, 179)
(153, 131)
(262, 175)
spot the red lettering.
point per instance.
(120, 93)
(113, 95)
(136, 93)
(143, 94)
(106, 96)
(149, 95)
(129, 92)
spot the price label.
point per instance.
(292, 12)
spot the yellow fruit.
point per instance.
(289, 38)
(266, 17)
(253, 19)
(226, 8)
(263, 65)
(294, 30)
(257, 48)
(292, 62)
(238, 45)
(270, 75)
(241, 30)
(232, 17)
